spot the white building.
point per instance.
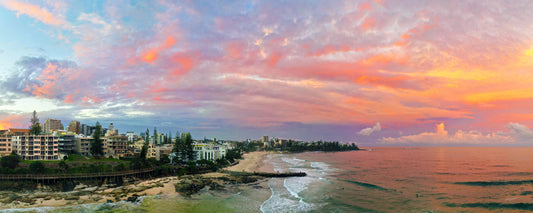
(209, 151)
(132, 137)
(36, 147)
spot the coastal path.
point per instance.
(142, 173)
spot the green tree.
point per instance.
(120, 167)
(177, 143)
(187, 147)
(63, 166)
(233, 154)
(10, 161)
(144, 151)
(36, 129)
(147, 135)
(34, 119)
(37, 167)
(156, 139)
(97, 149)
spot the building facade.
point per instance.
(36, 147)
(82, 145)
(52, 124)
(6, 146)
(74, 127)
(209, 151)
(164, 149)
(66, 144)
(117, 146)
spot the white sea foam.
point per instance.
(282, 200)
(287, 193)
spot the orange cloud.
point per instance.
(12, 121)
(384, 59)
(392, 81)
(513, 94)
(151, 55)
(33, 11)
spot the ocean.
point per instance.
(380, 179)
(387, 179)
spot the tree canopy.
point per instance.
(35, 127)
(97, 149)
(10, 161)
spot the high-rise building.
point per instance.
(111, 131)
(52, 124)
(74, 127)
(265, 141)
(84, 129)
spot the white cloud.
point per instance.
(368, 131)
(442, 137)
(520, 132)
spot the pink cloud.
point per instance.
(368, 24)
(34, 11)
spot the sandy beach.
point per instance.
(159, 187)
(251, 162)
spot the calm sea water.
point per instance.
(383, 179)
(388, 179)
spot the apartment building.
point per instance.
(117, 146)
(6, 145)
(36, 147)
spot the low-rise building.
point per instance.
(82, 145)
(66, 144)
(36, 147)
(117, 146)
(164, 149)
(209, 151)
(6, 146)
(138, 145)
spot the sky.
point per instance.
(378, 73)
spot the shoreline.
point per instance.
(158, 187)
